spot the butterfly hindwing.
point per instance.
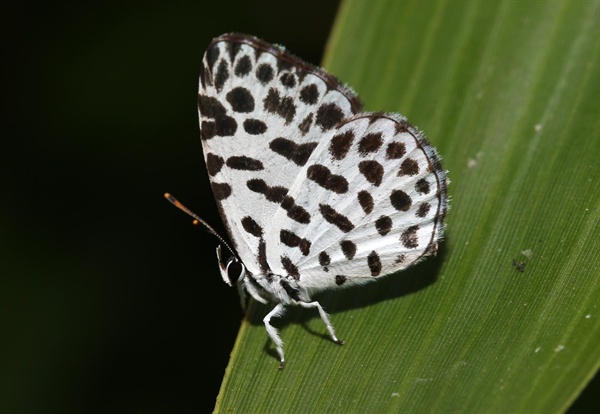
(379, 196)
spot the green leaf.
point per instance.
(508, 91)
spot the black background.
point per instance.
(111, 300)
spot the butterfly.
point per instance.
(314, 193)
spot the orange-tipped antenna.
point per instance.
(198, 221)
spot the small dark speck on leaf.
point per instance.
(520, 266)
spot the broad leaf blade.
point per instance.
(508, 93)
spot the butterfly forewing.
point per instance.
(262, 114)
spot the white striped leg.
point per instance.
(274, 333)
(324, 318)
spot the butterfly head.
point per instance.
(232, 269)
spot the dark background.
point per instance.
(111, 300)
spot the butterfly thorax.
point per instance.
(274, 288)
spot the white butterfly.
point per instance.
(314, 194)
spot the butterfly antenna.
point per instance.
(198, 221)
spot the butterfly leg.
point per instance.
(274, 333)
(324, 318)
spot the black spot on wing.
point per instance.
(328, 116)
(306, 123)
(255, 126)
(252, 227)
(211, 107)
(370, 143)
(221, 76)
(208, 130)
(365, 199)
(395, 150)
(332, 216)
(422, 186)
(244, 163)
(323, 176)
(294, 211)
(261, 258)
(240, 99)
(383, 225)
(264, 73)
(284, 107)
(290, 268)
(274, 194)
(277, 194)
(290, 239)
(374, 263)
(409, 167)
(214, 163)
(372, 171)
(423, 210)
(309, 94)
(348, 248)
(340, 280)
(409, 237)
(212, 54)
(340, 144)
(222, 125)
(297, 153)
(324, 260)
(400, 200)
(243, 67)
(401, 127)
(288, 80)
(221, 190)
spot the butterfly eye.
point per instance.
(232, 270)
(235, 270)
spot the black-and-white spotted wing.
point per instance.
(307, 185)
(262, 114)
(378, 193)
